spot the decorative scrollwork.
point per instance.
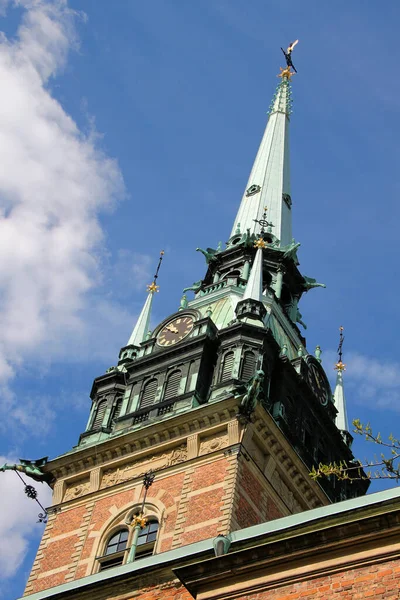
(31, 492)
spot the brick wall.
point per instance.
(378, 582)
(253, 503)
(191, 505)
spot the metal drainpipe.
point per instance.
(147, 481)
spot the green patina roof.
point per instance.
(222, 311)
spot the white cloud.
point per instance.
(18, 518)
(376, 382)
(370, 381)
(54, 181)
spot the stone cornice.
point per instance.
(150, 437)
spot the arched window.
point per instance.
(99, 416)
(248, 366)
(114, 552)
(172, 387)
(147, 539)
(148, 393)
(234, 273)
(227, 366)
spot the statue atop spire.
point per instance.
(288, 56)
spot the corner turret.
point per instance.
(141, 328)
(339, 397)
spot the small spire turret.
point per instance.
(141, 328)
(339, 397)
(251, 308)
(254, 286)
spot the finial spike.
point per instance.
(153, 287)
(340, 366)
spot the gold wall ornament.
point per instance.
(260, 243)
(138, 520)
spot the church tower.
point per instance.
(210, 421)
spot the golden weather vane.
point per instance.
(153, 287)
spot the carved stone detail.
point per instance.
(193, 445)
(95, 479)
(285, 493)
(58, 492)
(233, 432)
(77, 489)
(213, 443)
(138, 467)
(178, 455)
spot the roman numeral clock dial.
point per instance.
(175, 331)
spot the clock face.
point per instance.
(175, 331)
(318, 383)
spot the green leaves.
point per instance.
(386, 467)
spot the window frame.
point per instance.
(122, 553)
(120, 556)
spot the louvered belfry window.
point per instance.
(248, 366)
(117, 409)
(172, 387)
(100, 412)
(149, 393)
(227, 366)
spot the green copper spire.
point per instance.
(141, 328)
(339, 397)
(269, 182)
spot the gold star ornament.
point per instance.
(286, 73)
(340, 366)
(153, 287)
(260, 243)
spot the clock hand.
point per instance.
(172, 329)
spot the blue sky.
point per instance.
(129, 129)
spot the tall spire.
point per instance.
(339, 397)
(141, 328)
(269, 181)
